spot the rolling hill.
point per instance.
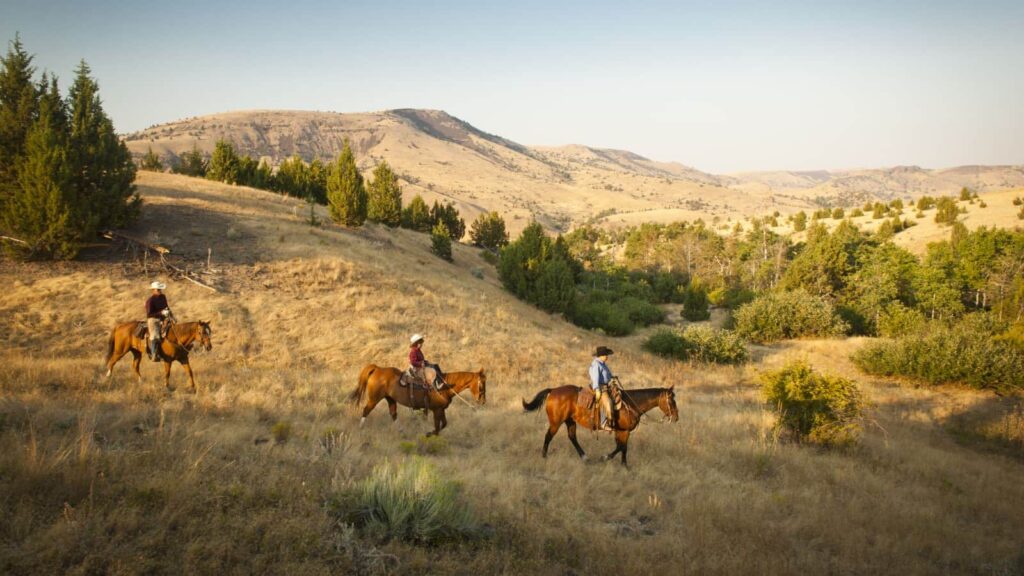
(254, 472)
(441, 157)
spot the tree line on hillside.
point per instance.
(64, 173)
(339, 185)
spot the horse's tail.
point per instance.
(364, 378)
(537, 400)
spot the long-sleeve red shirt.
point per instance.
(416, 358)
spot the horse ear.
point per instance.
(480, 372)
(672, 386)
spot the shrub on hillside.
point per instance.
(782, 315)
(969, 352)
(640, 312)
(815, 407)
(409, 503)
(695, 303)
(591, 313)
(731, 297)
(898, 320)
(698, 344)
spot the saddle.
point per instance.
(142, 329)
(409, 378)
(585, 398)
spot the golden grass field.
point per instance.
(119, 477)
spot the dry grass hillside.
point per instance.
(441, 157)
(115, 476)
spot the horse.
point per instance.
(382, 383)
(561, 405)
(174, 348)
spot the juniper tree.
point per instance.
(488, 231)
(151, 162)
(441, 242)
(448, 214)
(40, 210)
(346, 194)
(103, 173)
(416, 216)
(224, 164)
(191, 163)
(385, 203)
(18, 107)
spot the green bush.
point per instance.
(969, 352)
(641, 312)
(731, 298)
(410, 503)
(590, 313)
(698, 344)
(898, 320)
(815, 407)
(783, 315)
(695, 303)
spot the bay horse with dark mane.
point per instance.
(173, 348)
(383, 383)
(562, 407)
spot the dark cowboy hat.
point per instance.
(603, 351)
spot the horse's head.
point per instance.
(478, 386)
(667, 403)
(203, 333)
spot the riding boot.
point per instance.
(154, 352)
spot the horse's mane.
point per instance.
(642, 394)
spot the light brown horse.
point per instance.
(382, 383)
(562, 407)
(174, 348)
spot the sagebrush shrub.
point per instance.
(970, 352)
(782, 315)
(815, 407)
(699, 344)
(410, 502)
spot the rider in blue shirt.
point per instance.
(600, 376)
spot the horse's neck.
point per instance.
(457, 382)
(644, 399)
(183, 333)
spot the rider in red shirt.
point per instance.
(417, 362)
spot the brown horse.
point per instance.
(382, 383)
(174, 348)
(562, 407)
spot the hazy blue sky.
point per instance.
(721, 86)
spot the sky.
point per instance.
(722, 86)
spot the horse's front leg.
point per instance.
(392, 407)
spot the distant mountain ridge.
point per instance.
(442, 157)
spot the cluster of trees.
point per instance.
(64, 173)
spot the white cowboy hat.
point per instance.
(156, 285)
(416, 338)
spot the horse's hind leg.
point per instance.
(136, 362)
(552, 430)
(372, 399)
(191, 378)
(167, 376)
(570, 429)
(621, 446)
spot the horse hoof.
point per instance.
(584, 458)
(362, 421)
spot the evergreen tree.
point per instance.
(102, 167)
(385, 205)
(346, 195)
(316, 183)
(151, 162)
(18, 107)
(191, 163)
(519, 261)
(441, 242)
(488, 231)
(292, 177)
(225, 165)
(800, 221)
(449, 214)
(947, 211)
(416, 216)
(555, 289)
(40, 211)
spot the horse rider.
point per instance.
(156, 311)
(600, 377)
(418, 363)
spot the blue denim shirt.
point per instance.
(599, 374)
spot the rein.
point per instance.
(642, 414)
